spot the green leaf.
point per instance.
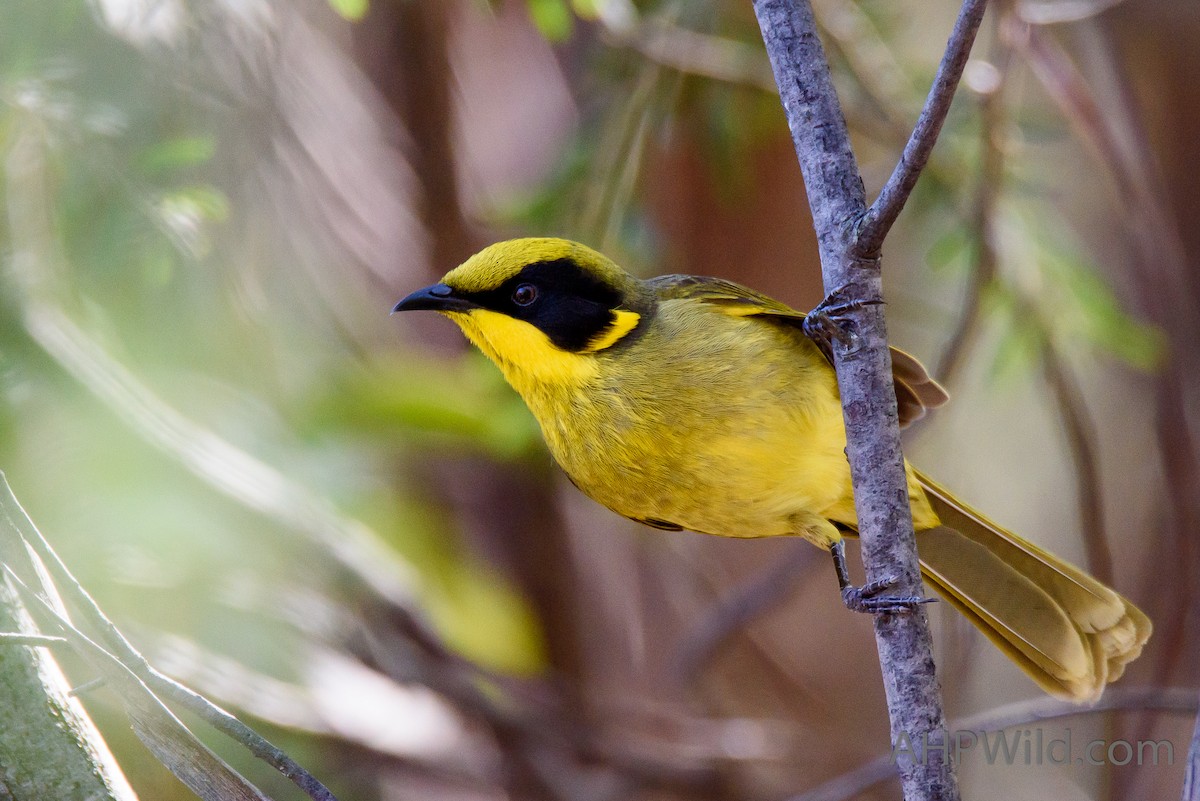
(552, 18)
(1101, 320)
(352, 10)
(183, 151)
(425, 402)
(950, 248)
(1017, 352)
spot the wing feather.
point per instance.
(916, 391)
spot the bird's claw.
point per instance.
(830, 320)
(867, 598)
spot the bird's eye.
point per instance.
(524, 294)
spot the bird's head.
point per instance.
(541, 309)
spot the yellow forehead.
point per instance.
(495, 264)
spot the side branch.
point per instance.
(886, 208)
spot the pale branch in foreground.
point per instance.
(127, 672)
(49, 747)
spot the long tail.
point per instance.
(1069, 632)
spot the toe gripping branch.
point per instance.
(869, 598)
(830, 320)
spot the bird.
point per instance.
(689, 402)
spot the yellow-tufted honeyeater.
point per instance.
(686, 402)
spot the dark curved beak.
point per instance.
(438, 297)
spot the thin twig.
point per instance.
(192, 762)
(886, 208)
(733, 612)
(707, 577)
(34, 640)
(1081, 439)
(1081, 433)
(1022, 713)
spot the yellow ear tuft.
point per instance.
(526, 356)
(622, 323)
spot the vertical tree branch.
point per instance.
(864, 377)
(831, 176)
(837, 199)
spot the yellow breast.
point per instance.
(720, 424)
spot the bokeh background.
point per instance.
(344, 526)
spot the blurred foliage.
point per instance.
(160, 134)
(555, 19)
(132, 155)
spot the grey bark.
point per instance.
(850, 264)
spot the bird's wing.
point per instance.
(739, 300)
(916, 391)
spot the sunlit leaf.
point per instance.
(199, 202)
(552, 18)
(352, 10)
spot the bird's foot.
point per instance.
(830, 320)
(868, 598)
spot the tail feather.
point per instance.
(1068, 631)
